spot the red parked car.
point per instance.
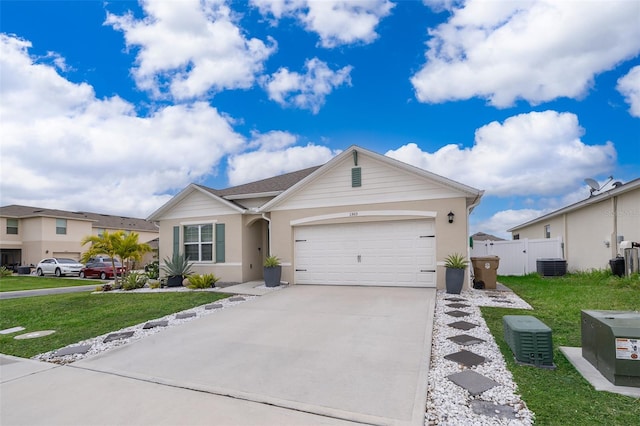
(102, 270)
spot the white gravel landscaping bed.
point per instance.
(450, 404)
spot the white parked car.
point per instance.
(58, 266)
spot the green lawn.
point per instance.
(79, 316)
(29, 282)
(562, 396)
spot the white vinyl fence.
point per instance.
(518, 257)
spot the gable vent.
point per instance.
(356, 177)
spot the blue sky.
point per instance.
(115, 106)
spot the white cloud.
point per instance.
(192, 46)
(64, 148)
(273, 159)
(440, 5)
(629, 87)
(337, 22)
(539, 153)
(533, 50)
(273, 140)
(501, 221)
(309, 90)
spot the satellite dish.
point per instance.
(593, 184)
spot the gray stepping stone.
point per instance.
(503, 301)
(465, 339)
(455, 299)
(458, 305)
(213, 306)
(458, 314)
(185, 315)
(70, 350)
(462, 325)
(34, 334)
(117, 336)
(473, 382)
(11, 330)
(236, 299)
(154, 324)
(466, 358)
(491, 409)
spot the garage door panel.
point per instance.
(397, 253)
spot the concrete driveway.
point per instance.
(332, 354)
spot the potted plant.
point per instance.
(272, 271)
(177, 269)
(454, 276)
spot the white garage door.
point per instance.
(397, 253)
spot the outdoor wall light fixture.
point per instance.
(451, 216)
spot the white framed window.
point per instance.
(61, 226)
(12, 226)
(198, 242)
(547, 231)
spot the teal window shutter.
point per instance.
(176, 240)
(356, 177)
(219, 242)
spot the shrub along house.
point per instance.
(360, 219)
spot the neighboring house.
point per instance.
(29, 234)
(360, 219)
(592, 229)
(482, 238)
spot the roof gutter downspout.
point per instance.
(264, 216)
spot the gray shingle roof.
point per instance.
(481, 236)
(99, 220)
(275, 184)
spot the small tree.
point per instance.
(124, 246)
(102, 244)
(128, 249)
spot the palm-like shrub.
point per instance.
(4, 272)
(178, 265)
(202, 281)
(455, 261)
(134, 280)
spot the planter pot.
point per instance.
(272, 276)
(175, 281)
(454, 279)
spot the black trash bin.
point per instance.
(617, 266)
(26, 270)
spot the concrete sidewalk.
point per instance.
(352, 354)
(37, 393)
(46, 291)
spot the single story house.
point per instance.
(592, 229)
(360, 219)
(29, 234)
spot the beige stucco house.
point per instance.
(592, 229)
(29, 234)
(360, 219)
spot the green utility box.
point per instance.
(611, 343)
(529, 339)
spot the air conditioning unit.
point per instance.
(611, 343)
(529, 339)
(551, 267)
